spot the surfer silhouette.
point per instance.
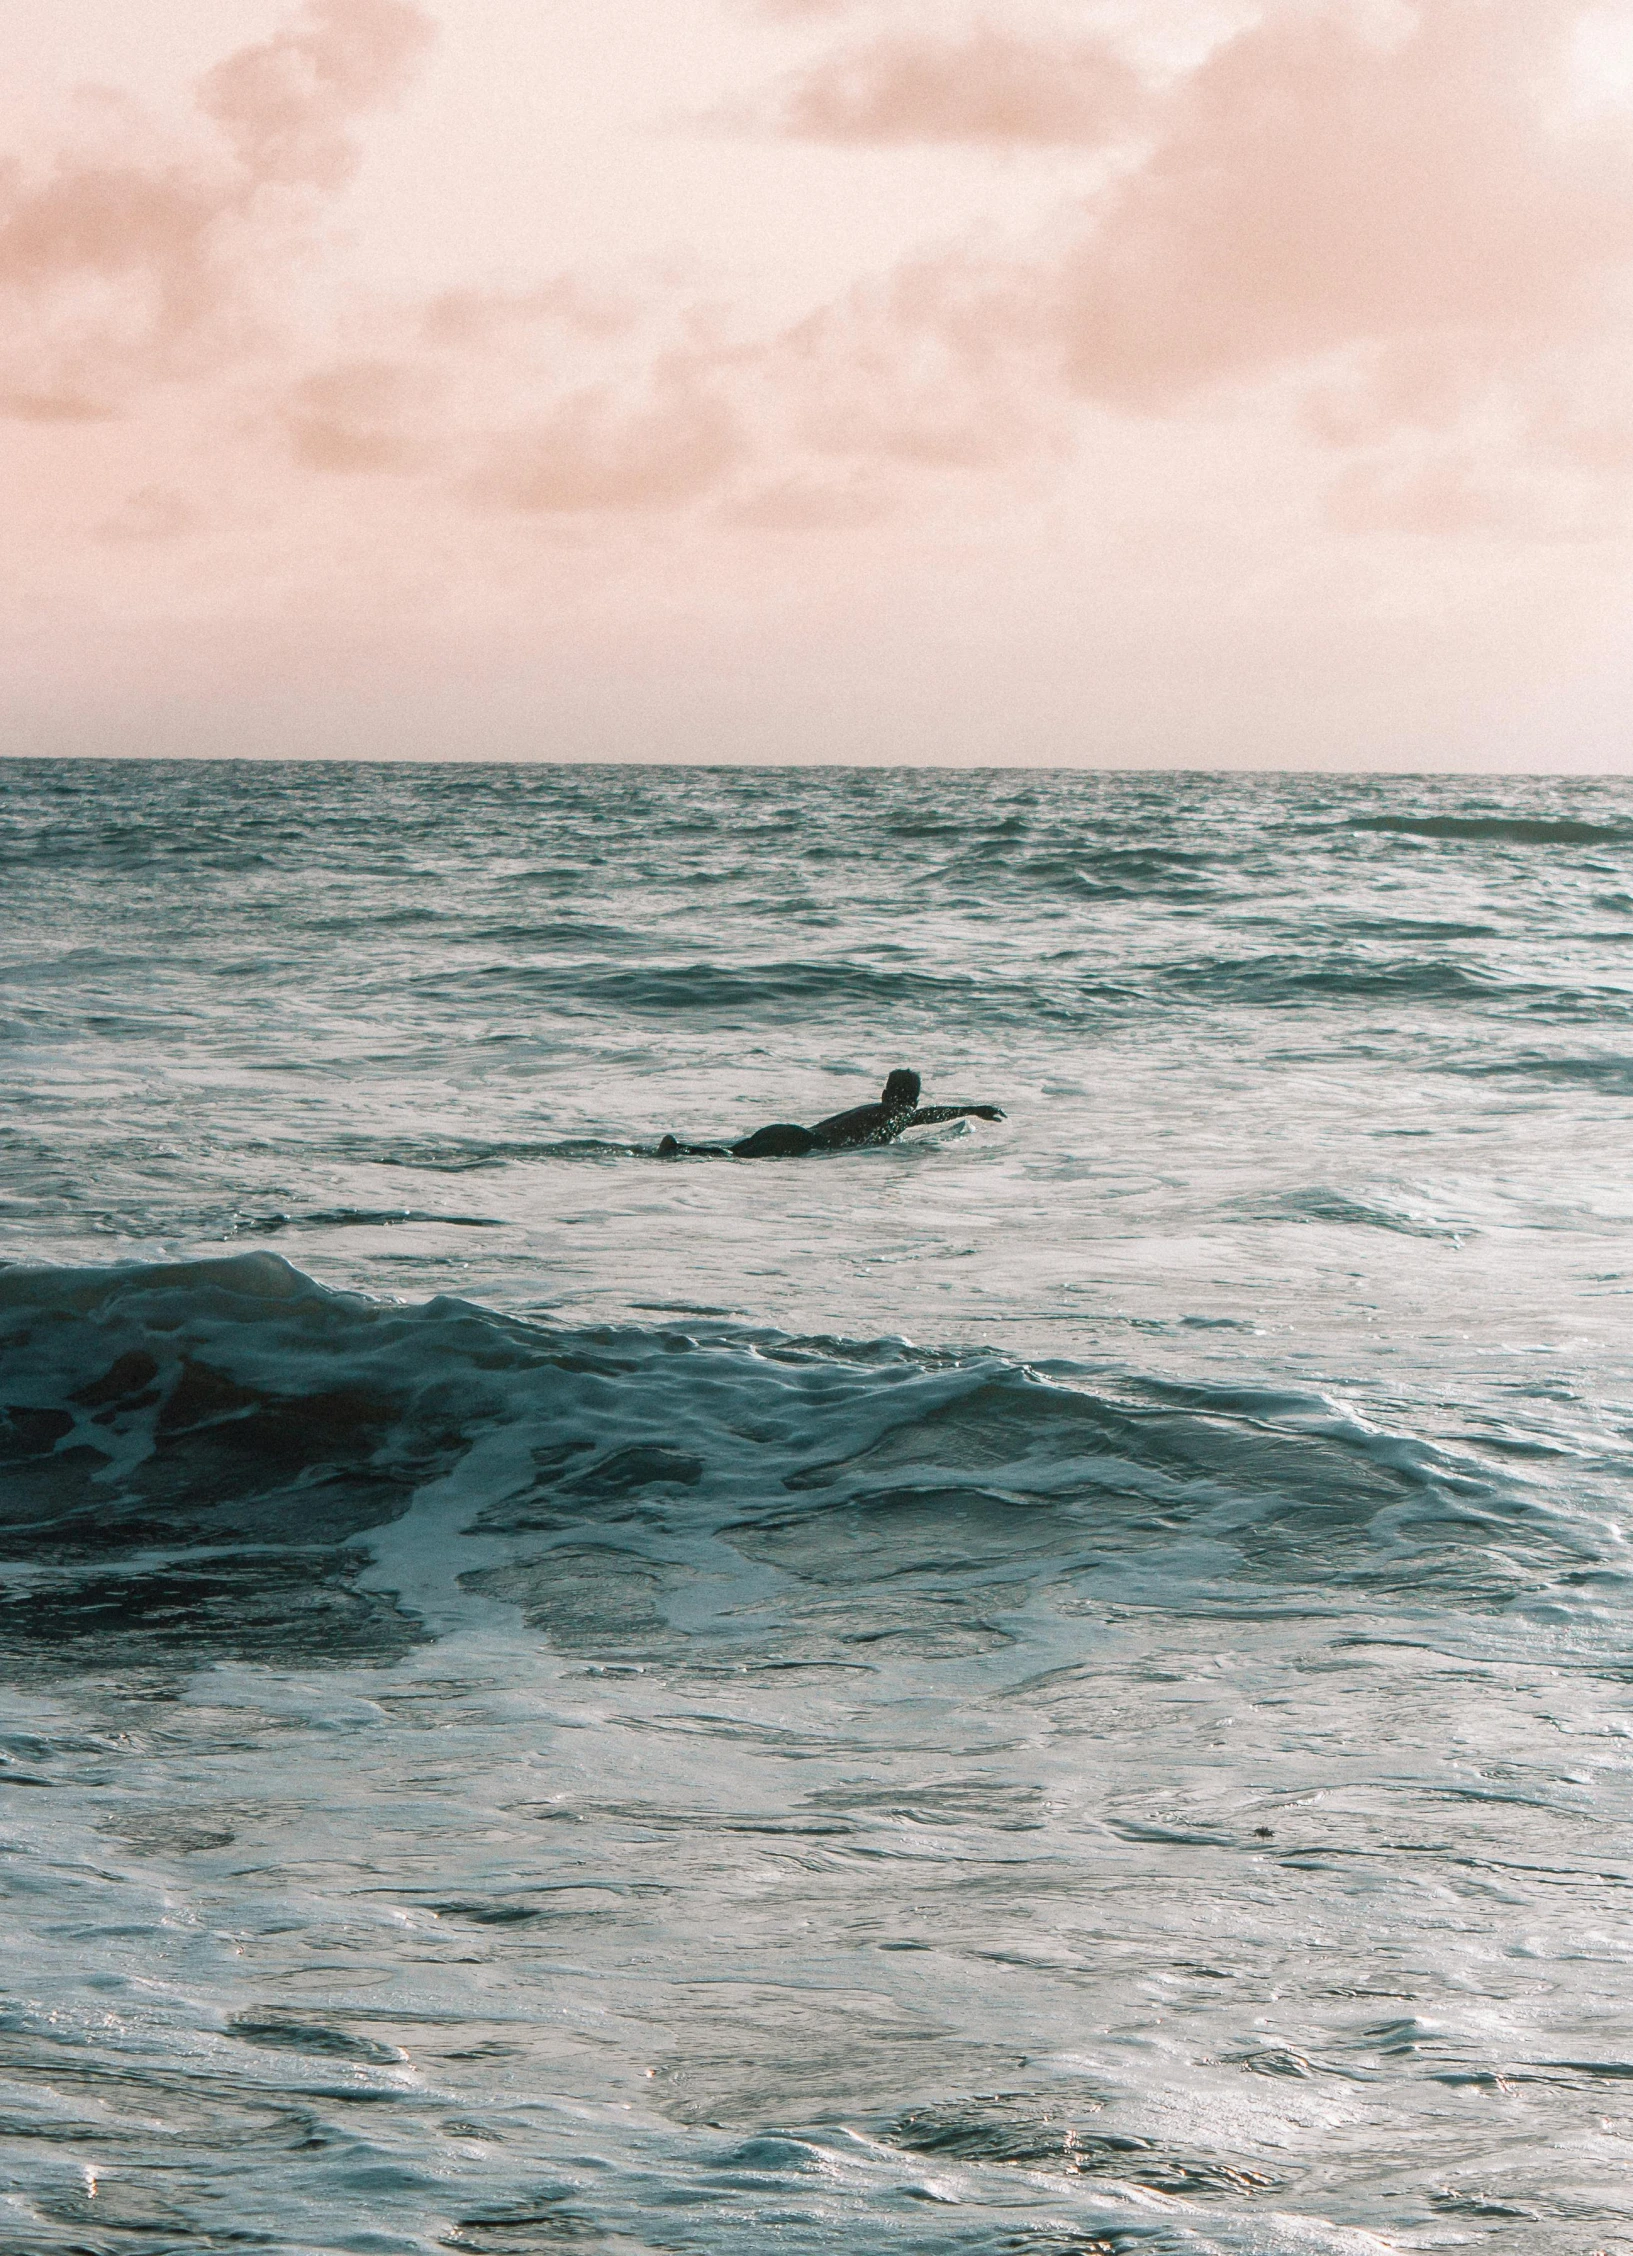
(896, 1110)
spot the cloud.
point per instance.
(360, 415)
(990, 86)
(151, 513)
(1373, 229)
(470, 318)
(287, 106)
(1393, 230)
(109, 272)
(1313, 190)
(934, 368)
(129, 262)
(600, 451)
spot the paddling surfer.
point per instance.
(896, 1110)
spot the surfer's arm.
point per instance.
(931, 1116)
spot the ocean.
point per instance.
(1057, 1688)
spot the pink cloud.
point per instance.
(989, 86)
(109, 273)
(360, 415)
(124, 263)
(1349, 300)
(598, 450)
(935, 368)
(471, 318)
(287, 106)
(1314, 190)
(1380, 231)
(151, 513)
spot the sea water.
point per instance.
(1060, 1688)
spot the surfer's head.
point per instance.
(901, 1091)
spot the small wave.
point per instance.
(1293, 981)
(714, 990)
(1612, 1075)
(1113, 873)
(1514, 830)
(358, 1218)
(1335, 1206)
(1037, 2131)
(468, 1155)
(1410, 928)
(552, 932)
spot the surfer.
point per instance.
(896, 1110)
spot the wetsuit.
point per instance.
(896, 1110)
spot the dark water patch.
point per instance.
(565, 1493)
(1041, 2131)
(1298, 980)
(539, 2226)
(569, 1903)
(1090, 870)
(359, 1218)
(587, 1599)
(1398, 928)
(227, 1400)
(409, 917)
(1286, 981)
(465, 1155)
(169, 1832)
(1451, 2201)
(555, 932)
(201, 1412)
(1605, 1074)
(993, 1803)
(1320, 1205)
(287, 1609)
(706, 990)
(200, 1457)
(276, 2029)
(1514, 830)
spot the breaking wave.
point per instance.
(193, 1455)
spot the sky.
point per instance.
(1123, 383)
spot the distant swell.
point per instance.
(1516, 830)
(700, 989)
(1288, 981)
(1612, 1076)
(359, 1218)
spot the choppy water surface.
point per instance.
(1060, 1689)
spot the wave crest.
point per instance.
(191, 1455)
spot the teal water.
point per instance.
(1055, 1687)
